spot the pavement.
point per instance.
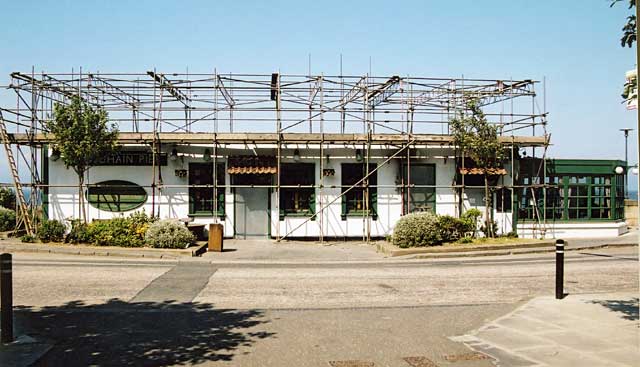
(340, 304)
(579, 330)
(266, 251)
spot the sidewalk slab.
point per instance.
(587, 329)
(23, 352)
(13, 245)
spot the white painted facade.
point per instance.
(171, 201)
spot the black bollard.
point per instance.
(559, 269)
(6, 299)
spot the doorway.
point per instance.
(252, 205)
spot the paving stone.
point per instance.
(505, 358)
(626, 356)
(558, 356)
(510, 339)
(351, 364)
(530, 325)
(420, 362)
(581, 341)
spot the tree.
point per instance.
(7, 198)
(629, 29)
(81, 134)
(477, 139)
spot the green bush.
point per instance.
(7, 198)
(511, 234)
(451, 229)
(7, 219)
(494, 228)
(27, 238)
(119, 231)
(470, 219)
(465, 239)
(168, 233)
(114, 232)
(79, 232)
(418, 229)
(51, 230)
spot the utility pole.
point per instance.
(626, 162)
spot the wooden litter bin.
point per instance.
(216, 237)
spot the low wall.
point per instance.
(631, 212)
(573, 230)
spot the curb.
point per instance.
(91, 251)
(197, 251)
(393, 252)
(538, 250)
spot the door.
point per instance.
(252, 212)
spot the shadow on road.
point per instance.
(628, 308)
(119, 333)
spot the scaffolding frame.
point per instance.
(401, 114)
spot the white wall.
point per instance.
(573, 230)
(172, 202)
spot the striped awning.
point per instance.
(250, 164)
(481, 171)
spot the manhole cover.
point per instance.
(420, 362)
(351, 364)
(473, 356)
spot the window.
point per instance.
(419, 198)
(353, 201)
(297, 201)
(619, 204)
(571, 197)
(201, 189)
(578, 196)
(116, 196)
(503, 200)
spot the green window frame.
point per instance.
(201, 198)
(299, 201)
(353, 203)
(419, 198)
(116, 196)
(574, 197)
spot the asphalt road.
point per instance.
(104, 311)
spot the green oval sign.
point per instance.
(116, 196)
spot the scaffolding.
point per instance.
(160, 110)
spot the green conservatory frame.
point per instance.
(574, 190)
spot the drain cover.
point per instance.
(474, 356)
(351, 364)
(420, 362)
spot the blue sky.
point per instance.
(574, 45)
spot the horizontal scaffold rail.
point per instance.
(209, 138)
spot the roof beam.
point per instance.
(386, 90)
(166, 84)
(225, 93)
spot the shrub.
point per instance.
(7, 198)
(79, 232)
(494, 228)
(27, 238)
(120, 231)
(7, 219)
(451, 229)
(114, 232)
(465, 239)
(168, 233)
(512, 234)
(51, 230)
(418, 229)
(470, 219)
